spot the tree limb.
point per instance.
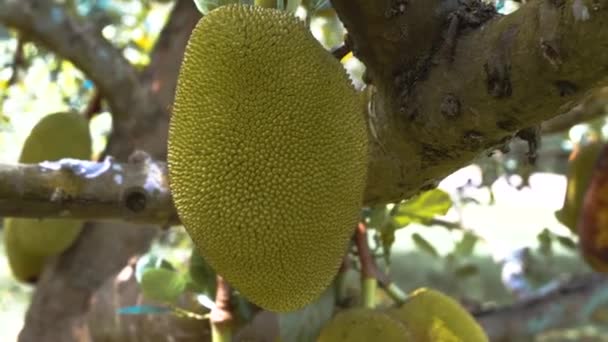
(592, 107)
(577, 301)
(135, 192)
(514, 72)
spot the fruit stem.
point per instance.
(369, 287)
(369, 283)
(221, 316)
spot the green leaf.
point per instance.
(162, 284)
(424, 245)
(377, 216)
(566, 242)
(201, 274)
(466, 270)
(306, 323)
(387, 237)
(545, 242)
(466, 245)
(423, 208)
(150, 261)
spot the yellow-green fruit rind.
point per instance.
(55, 136)
(364, 325)
(433, 316)
(267, 154)
(24, 266)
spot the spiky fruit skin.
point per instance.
(364, 325)
(267, 154)
(432, 316)
(55, 136)
(24, 266)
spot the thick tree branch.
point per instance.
(514, 72)
(136, 192)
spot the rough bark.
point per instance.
(431, 115)
(136, 192)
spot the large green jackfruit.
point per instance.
(55, 136)
(24, 266)
(267, 154)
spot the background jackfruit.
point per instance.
(580, 167)
(267, 154)
(55, 136)
(24, 266)
(432, 316)
(364, 325)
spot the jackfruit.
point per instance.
(363, 325)
(55, 136)
(592, 226)
(432, 316)
(580, 167)
(24, 266)
(267, 154)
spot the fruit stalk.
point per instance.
(221, 316)
(369, 283)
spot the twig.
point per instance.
(368, 268)
(18, 61)
(221, 316)
(340, 51)
(94, 106)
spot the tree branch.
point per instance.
(429, 119)
(136, 191)
(570, 304)
(592, 107)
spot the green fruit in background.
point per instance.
(432, 316)
(267, 154)
(24, 266)
(55, 136)
(580, 167)
(364, 325)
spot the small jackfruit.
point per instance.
(267, 154)
(55, 136)
(432, 316)
(364, 325)
(24, 266)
